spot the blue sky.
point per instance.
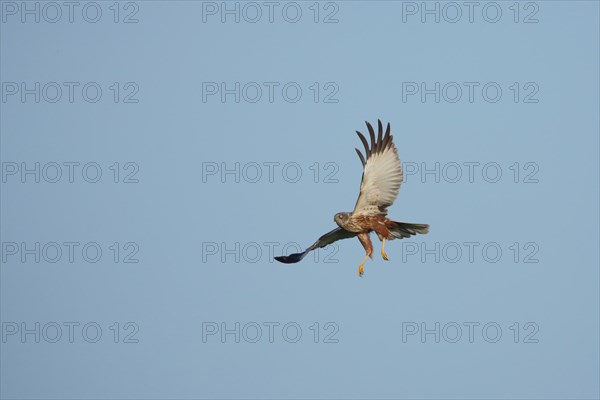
(171, 154)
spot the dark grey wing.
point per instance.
(326, 239)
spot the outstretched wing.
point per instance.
(326, 239)
(382, 173)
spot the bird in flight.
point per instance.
(381, 179)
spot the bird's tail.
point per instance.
(401, 230)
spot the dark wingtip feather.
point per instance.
(379, 136)
(387, 138)
(372, 136)
(364, 142)
(291, 259)
(362, 159)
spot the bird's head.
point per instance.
(341, 218)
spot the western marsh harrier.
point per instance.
(381, 179)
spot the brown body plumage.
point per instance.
(385, 228)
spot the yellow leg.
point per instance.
(361, 269)
(385, 257)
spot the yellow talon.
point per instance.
(385, 257)
(361, 269)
